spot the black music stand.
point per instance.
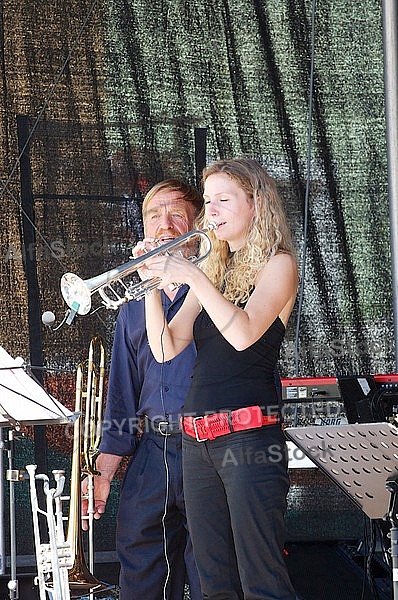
(362, 459)
(22, 402)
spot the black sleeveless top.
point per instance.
(226, 379)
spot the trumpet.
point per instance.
(53, 558)
(77, 292)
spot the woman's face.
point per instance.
(228, 205)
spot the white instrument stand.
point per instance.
(362, 459)
(22, 402)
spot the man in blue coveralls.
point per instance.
(145, 399)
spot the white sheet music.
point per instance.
(23, 399)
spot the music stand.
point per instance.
(23, 402)
(362, 459)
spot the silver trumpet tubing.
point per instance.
(53, 558)
(77, 292)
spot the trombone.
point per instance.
(77, 292)
(61, 563)
(86, 438)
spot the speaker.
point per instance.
(332, 570)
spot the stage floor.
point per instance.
(318, 570)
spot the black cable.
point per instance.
(5, 185)
(35, 125)
(369, 561)
(384, 549)
(376, 406)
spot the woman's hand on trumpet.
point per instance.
(172, 270)
(140, 249)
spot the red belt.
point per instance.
(211, 426)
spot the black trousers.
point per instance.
(153, 546)
(235, 495)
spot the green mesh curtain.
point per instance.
(113, 93)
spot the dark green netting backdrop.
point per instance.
(113, 92)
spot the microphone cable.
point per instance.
(165, 462)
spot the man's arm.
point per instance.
(120, 420)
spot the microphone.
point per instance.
(48, 318)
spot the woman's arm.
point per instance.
(167, 340)
(274, 295)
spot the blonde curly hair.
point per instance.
(234, 274)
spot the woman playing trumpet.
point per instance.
(237, 309)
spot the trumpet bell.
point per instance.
(76, 293)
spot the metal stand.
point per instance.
(362, 459)
(13, 476)
(23, 402)
(392, 486)
(13, 582)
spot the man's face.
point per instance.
(167, 216)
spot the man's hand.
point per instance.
(102, 487)
(107, 465)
